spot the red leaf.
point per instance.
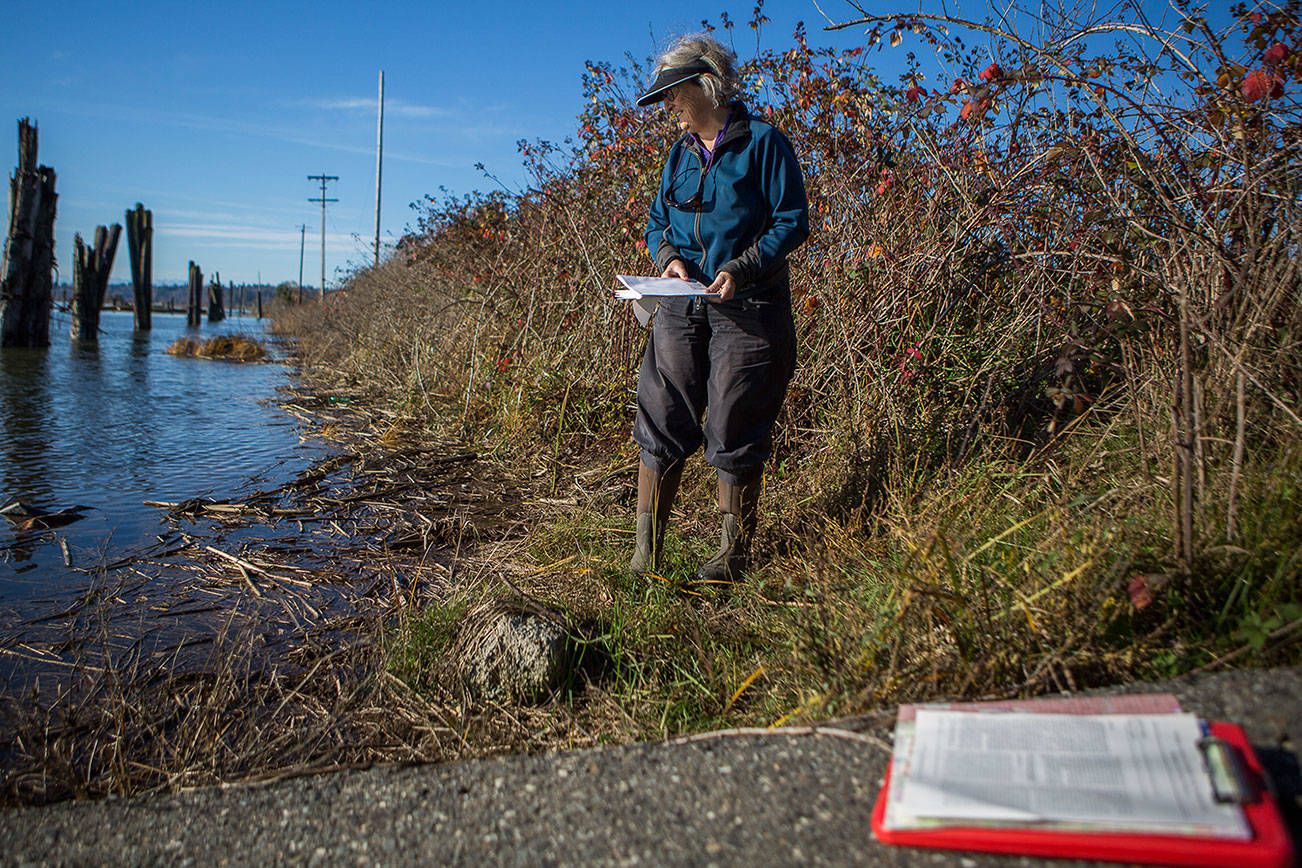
(992, 73)
(1275, 54)
(1258, 85)
(1140, 594)
(974, 110)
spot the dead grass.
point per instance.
(269, 635)
(233, 347)
(313, 627)
(1043, 433)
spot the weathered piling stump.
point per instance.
(194, 307)
(216, 310)
(26, 276)
(140, 246)
(90, 275)
(259, 305)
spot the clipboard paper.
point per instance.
(658, 287)
(1260, 842)
(646, 292)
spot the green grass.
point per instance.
(995, 577)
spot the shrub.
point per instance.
(1066, 284)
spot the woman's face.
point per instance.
(688, 103)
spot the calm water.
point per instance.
(113, 425)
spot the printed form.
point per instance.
(641, 287)
(646, 292)
(1119, 771)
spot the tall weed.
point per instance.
(1044, 428)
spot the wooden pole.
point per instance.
(140, 247)
(302, 238)
(216, 309)
(379, 164)
(324, 179)
(26, 274)
(259, 304)
(194, 306)
(91, 268)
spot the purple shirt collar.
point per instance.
(709, 154)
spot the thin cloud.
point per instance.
(232, 125)
(240, 234)
(391, 107)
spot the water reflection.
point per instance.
(138, 360)
(24, 418)
(25, 409)
(113, 424)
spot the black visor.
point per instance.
(671, 76)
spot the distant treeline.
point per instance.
(174, 295)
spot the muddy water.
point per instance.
(108, 427)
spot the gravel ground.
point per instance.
(730, 800)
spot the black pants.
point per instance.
(734, 358)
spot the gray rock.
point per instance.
(507, 654)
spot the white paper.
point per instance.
(639, 287)
(1118, 771)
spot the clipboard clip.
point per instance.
(1229, 783)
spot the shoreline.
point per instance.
(247, 602)
(325, 613)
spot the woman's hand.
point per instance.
(725, 285)
(677, 269)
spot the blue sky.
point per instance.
(213, 115)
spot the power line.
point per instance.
(324, 179)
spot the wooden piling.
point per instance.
(90, 276)
(194, 306)
(216, 309)
(140, 247)
(26, 275)
(259, 304)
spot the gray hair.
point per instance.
(721, 86)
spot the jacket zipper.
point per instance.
(732, 133)
(699, 240)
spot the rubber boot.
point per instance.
(655, 496)
(739, 504)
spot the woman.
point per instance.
(730, 209)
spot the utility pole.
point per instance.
(302, 239)
(379, 163)
(324, 179)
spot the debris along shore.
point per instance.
(260, 637)
(332, 622)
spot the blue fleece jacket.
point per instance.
(753, 209)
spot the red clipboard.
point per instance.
(1270, 846)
